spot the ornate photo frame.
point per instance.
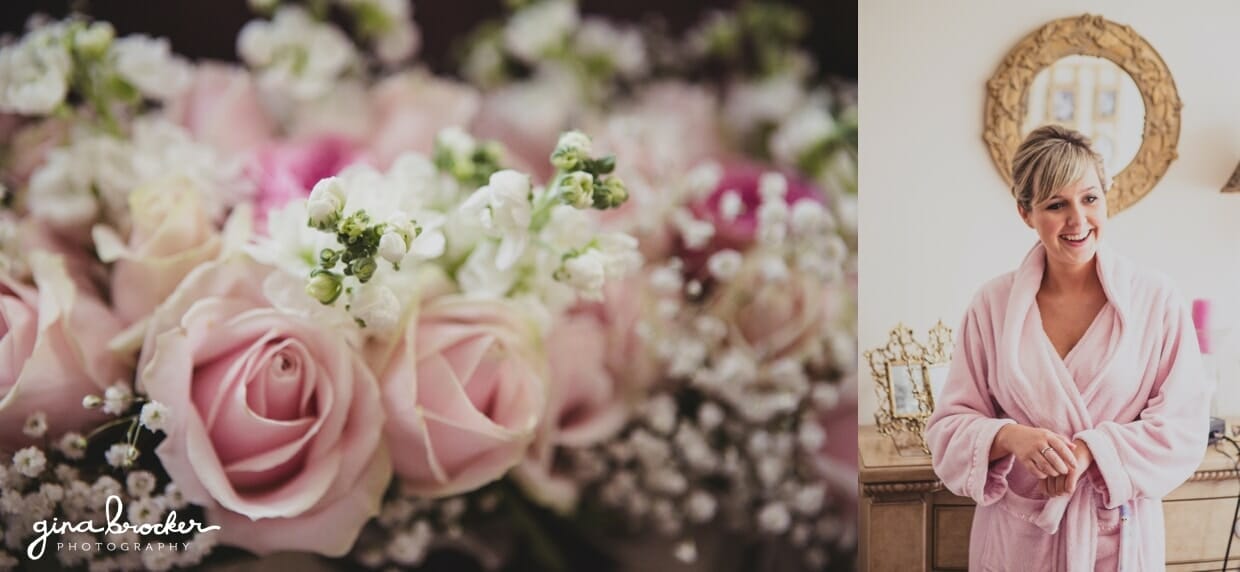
(908, 376)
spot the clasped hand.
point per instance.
(1057, 462)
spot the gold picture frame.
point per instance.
(908, 377)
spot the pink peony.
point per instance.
(289, 170)
(53, 351)
(584, 407)
(222, 108)
(274, 422)
(465, 391)
(744, 178)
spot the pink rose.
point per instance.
(777, 318)
(289, 170)
(53, 351)
(744, 178)
(171, 235)
(274, 422)
(222, 108)
(412, 108)
(583, 407)
(464, 391)
(627, 304)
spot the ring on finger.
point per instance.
(1048, 448)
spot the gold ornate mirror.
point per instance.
(1100, 78)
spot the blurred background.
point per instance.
(208, 30)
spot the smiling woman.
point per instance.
(1075, 399)
(1060, 192)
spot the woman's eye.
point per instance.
(1091, 199)
(1054, 207)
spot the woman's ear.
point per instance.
(1024, 215)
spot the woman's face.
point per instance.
(1070, 222)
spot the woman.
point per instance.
(1075, 399)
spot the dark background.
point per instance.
(207, 29)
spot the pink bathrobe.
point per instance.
(1132, 389)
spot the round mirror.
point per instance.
(1099, 78)
(1094, 96)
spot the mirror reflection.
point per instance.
(1092, 95)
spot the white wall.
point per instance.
(936, 220)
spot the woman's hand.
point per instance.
(1066, 484)
(1043, 453)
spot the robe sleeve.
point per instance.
(1150, 457)
(965, 421)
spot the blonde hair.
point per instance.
(1049, 159)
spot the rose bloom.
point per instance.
(776, 317)
(465, 390)
(274, 423)
(172, 234)
(54, 338)
(222, 108)
(584, 407)
(628, 305)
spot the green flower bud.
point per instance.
(93, 41)
(353, 227)
(328, 258)
(324, 286)
(572, 149)
(364, 268)
(577, 189)
(611, 194)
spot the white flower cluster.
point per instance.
(402, 206)
(45, 484)
(571, 255)
(369, 238)
(389, 26)
(409, 527)
(733, 435)
(35, 72)
(148, 64)
(90, 179)
(295, 55)
(540, 28)
(622, 49)
(679, 467)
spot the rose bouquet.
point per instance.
(328, 302)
